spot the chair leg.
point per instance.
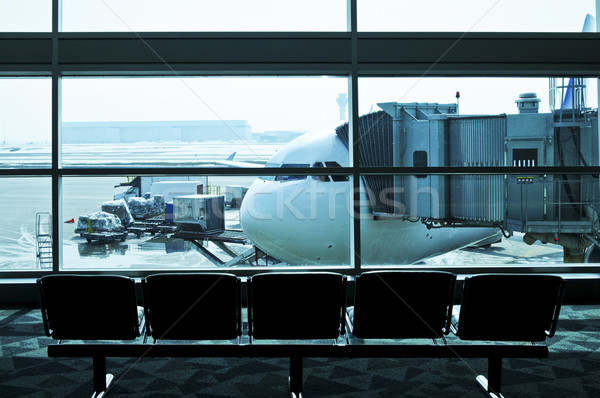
(296, 376)
(101, 379)
(492, 386)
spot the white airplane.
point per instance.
(304, 220)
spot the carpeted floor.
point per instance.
(572, 370)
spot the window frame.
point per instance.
(351, 54)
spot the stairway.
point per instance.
(44, 240)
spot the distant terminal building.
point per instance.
(277, 136)
(187, 131)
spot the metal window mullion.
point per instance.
(354, 152)
(56, 147)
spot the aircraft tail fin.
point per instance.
(569, 100)
(231, 156)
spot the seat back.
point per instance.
(510, 307)
(403, 304)
(197, 306)
(286, 306)
(89, 307)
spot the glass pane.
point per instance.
(478, 122)
(188, 15)
(190, 222)
(25, 123)
(475, 16)
(193, 122)
(26, 240)
(480, 219)
(26, 16)
(110, 225)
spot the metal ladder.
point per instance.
(571, 109)
(44, 240)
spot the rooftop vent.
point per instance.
(528, 103)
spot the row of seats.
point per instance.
(307, 305)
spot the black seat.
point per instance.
(89, 307)
(289, 306)
(296, 306)
(510, 307)
(402, 304)
(198, 306)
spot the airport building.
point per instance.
(419, 175)
(128, 132)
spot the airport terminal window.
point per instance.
(473, 16)
(493, 219)
(476, 130)
(299, 224)
(96, 126)
(176, 231)
(26, 239)
(26, 16)
(25, 139)
(99, 231)
(191, 122)
(204, 15)
(524, 128)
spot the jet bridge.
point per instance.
(552, 208)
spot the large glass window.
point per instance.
(189, 15)
(193, 122)
(199, 123)
(491, 219)
(25, 128)
(267, 158)
(474, 16)
(478, 122)
(190, 222)
(26, 240)
(26, 16)
(109, 224)
(481, 124)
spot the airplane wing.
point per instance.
(233, 163)
(229, 162)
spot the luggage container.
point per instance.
(204, 213)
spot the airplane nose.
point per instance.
(249, 213)
(257, 216)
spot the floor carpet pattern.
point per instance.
(572, 370)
